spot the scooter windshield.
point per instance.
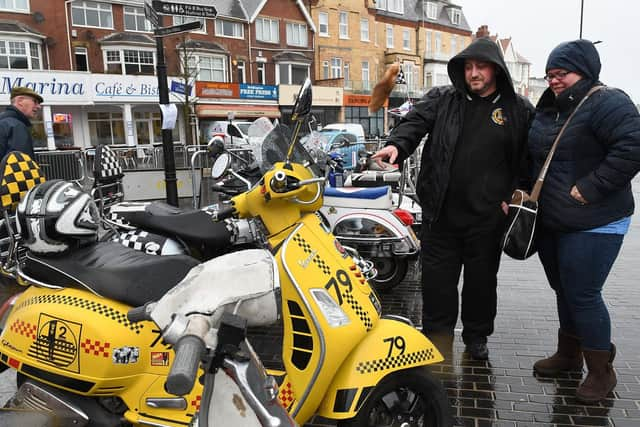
(275, 146)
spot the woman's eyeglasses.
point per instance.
(559, 75)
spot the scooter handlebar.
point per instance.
(182, 376)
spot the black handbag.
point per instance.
(519, 239)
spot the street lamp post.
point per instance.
(581, 15)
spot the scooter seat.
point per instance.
(357, 197)
(194, 227)
(112, 271)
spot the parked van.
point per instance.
(354, 128)
(220, 129)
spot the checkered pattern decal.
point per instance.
(106, 166)
(134, 239)
(316, 259)
(286, 394)
(24, 328)
(101, 309)
(394, 362)
(19, 174)
(195, 403)
(400, 79)
(361, 312)
(95, 347)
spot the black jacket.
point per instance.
(440, 115)
(15, 132)
(599, 153)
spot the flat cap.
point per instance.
(25, 91)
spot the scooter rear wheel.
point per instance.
(411, 397)
(391, 272)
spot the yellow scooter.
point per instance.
(342, 359)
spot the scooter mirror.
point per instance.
(302, 107)
(234, 131)
(221, 165)
(215, 146)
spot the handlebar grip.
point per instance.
(138, 314)
(225, 213)
(182, 375)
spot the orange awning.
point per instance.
(253, 111)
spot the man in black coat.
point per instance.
(470, 165)
(15, 121)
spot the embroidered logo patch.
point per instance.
(497, 117)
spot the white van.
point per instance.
(354, 128)
(219, 129)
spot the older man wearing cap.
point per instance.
(15, 122)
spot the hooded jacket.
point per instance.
(15, 132)
(440, 114)
(599, 151)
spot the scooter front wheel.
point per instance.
(411, 397)
(391, 271)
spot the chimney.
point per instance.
(483, 31)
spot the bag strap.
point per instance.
(535, 193)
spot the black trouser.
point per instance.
(444, 253)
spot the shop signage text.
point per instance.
(49, 87)
(254, 91)
(236, 90)
(116, 89)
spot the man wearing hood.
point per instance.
(585, 206)
(470, 165)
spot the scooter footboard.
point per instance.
(390, 346)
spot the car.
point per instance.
(340, 141)
(354, 128)
(220, 129)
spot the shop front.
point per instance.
(356, 110)
(326, 103)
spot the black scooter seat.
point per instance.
(194, 227)
(112, 271)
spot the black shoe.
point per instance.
(478, 351)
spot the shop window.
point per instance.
(38, 133)
(373, 124)
(63, 130)
(267, 30)
(226, 28)
(91, 14)
(106, 128)
(82, 59)
(210, 68)
(131, 61)
(179, 20)
(134, 19)
(149, 128)
(20, 55)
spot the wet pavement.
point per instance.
(503, 391)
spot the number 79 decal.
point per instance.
(341, 279)
(396, 343)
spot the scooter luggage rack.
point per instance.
(10, 252)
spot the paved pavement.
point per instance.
(503, 391)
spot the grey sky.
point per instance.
(537, 26)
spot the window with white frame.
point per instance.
(292, 74)
(323, 24)
(438, 42)
(296, 34)
(365, 75)
(82, 58)
(454, 15)
(134, 19)
(267, 30)
(231, 29)
(262, 74)
(242, 73)
(395, 6)
(20, 55)
(431, 10)
(179, 20)
(208, 68)
(325, 69)
(364, 30)
(345, 75)
(343, 25)
(406, 40)
(130, 61)
(336, 68)
(454, 44)
(410, 74)
(14, 5)
(389, 36)
(106, 128)
(381, 4)
(461, 47)
(91, 14)
(428, 43)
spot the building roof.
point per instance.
(127, 37)
(10, 26)
(415, 11)
(290, 56)
(254, 7)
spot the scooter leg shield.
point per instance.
(390, 346)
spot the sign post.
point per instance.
(152, 14)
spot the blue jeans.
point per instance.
(577, 265)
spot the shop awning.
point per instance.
(253, 111)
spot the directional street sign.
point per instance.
(198, 10)
(151, 15)
(182, 28)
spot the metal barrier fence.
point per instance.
(64, 164)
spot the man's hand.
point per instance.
(575, 193)
(389, 152)
(505, 208)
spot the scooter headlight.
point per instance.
(331, 311)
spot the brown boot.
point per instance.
(601, 379)
(568, 357)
